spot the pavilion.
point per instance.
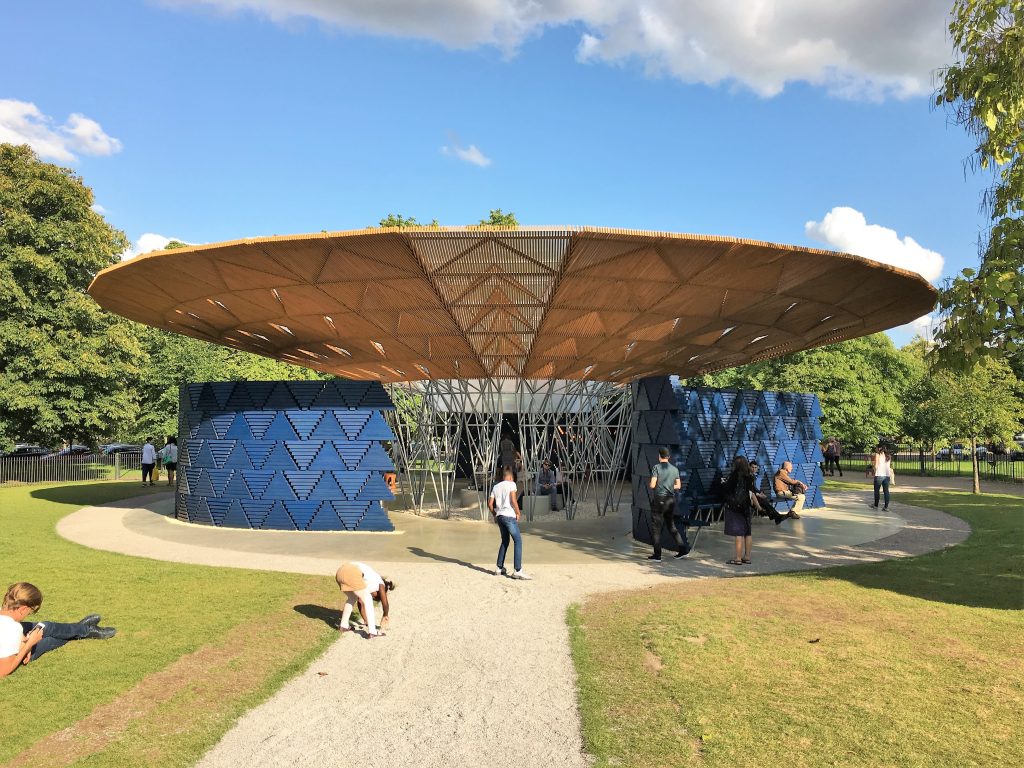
(477, 330)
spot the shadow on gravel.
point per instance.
(329, 616)
(444, 559)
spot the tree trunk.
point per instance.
(974, 465)
(920, 457)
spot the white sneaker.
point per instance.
(521, 575)
(500, 572)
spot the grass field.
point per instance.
(196, 646)
(916, 662)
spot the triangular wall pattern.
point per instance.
(707, 428)
(284, 455)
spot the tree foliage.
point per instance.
(861, 384)
(398, 220)
(982, 406)
(499, 218)
(985, 92)
(66, 367)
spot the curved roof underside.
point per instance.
(422, 303)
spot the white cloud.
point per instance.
(468, 154)
(150, 241)
(863, 49)
(21, 122)
(97, 208)
(846, 229)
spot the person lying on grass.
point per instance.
(22, 642)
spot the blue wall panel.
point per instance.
(707, 428)
(291, 455)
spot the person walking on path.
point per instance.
(22, 641)
(148, 461)
(788, 487)
(740, 503)
(881, 463)
(169, 456)
(665, 481)
(833, 450)
(361, 584)
(504, 508)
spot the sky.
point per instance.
(791, 121)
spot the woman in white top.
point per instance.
(881, 461)
(169, 456)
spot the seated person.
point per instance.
(788, 487)
(766, 505)
(22, 642)
(547, 483)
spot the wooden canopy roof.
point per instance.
(422, 303)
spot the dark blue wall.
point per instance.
(707, 428)
(287, 455)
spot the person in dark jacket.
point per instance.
(740, 504)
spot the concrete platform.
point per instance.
(150, 531)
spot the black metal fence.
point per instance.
(991, 466)
(67, 469)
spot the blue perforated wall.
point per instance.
(286, 455)
(707, 428)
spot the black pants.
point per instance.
(832, 465)
(663, 510)
(147, 472)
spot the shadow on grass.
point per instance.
(329, 616)
(445, 559)
(80, 494)
(985, 571)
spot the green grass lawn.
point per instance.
(916, 662)
(196, 646)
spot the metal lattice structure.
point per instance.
(442, 425)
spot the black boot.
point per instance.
(92, 620)
(101, 633)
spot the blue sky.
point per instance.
(210, 120)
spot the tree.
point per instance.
(985, 91)
(861, 384)
(922, 420)
(66, 367)
(499, 218)
(398, 220)
(982, 405)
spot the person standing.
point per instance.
(506, 454)
(740, 503)
(504, 507)
(148, 461)
(169, 456)
(881, 462)
(833, 450)
(665, 481)
(788, 487)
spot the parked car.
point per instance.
(71, 450)
(955, 451)
(27, 451)
(112, 448)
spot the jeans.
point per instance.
(551, 491)
(882, 483)
(832, 465)
(55, 635)
(509, 528)
(147, 472)
(663, 513)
